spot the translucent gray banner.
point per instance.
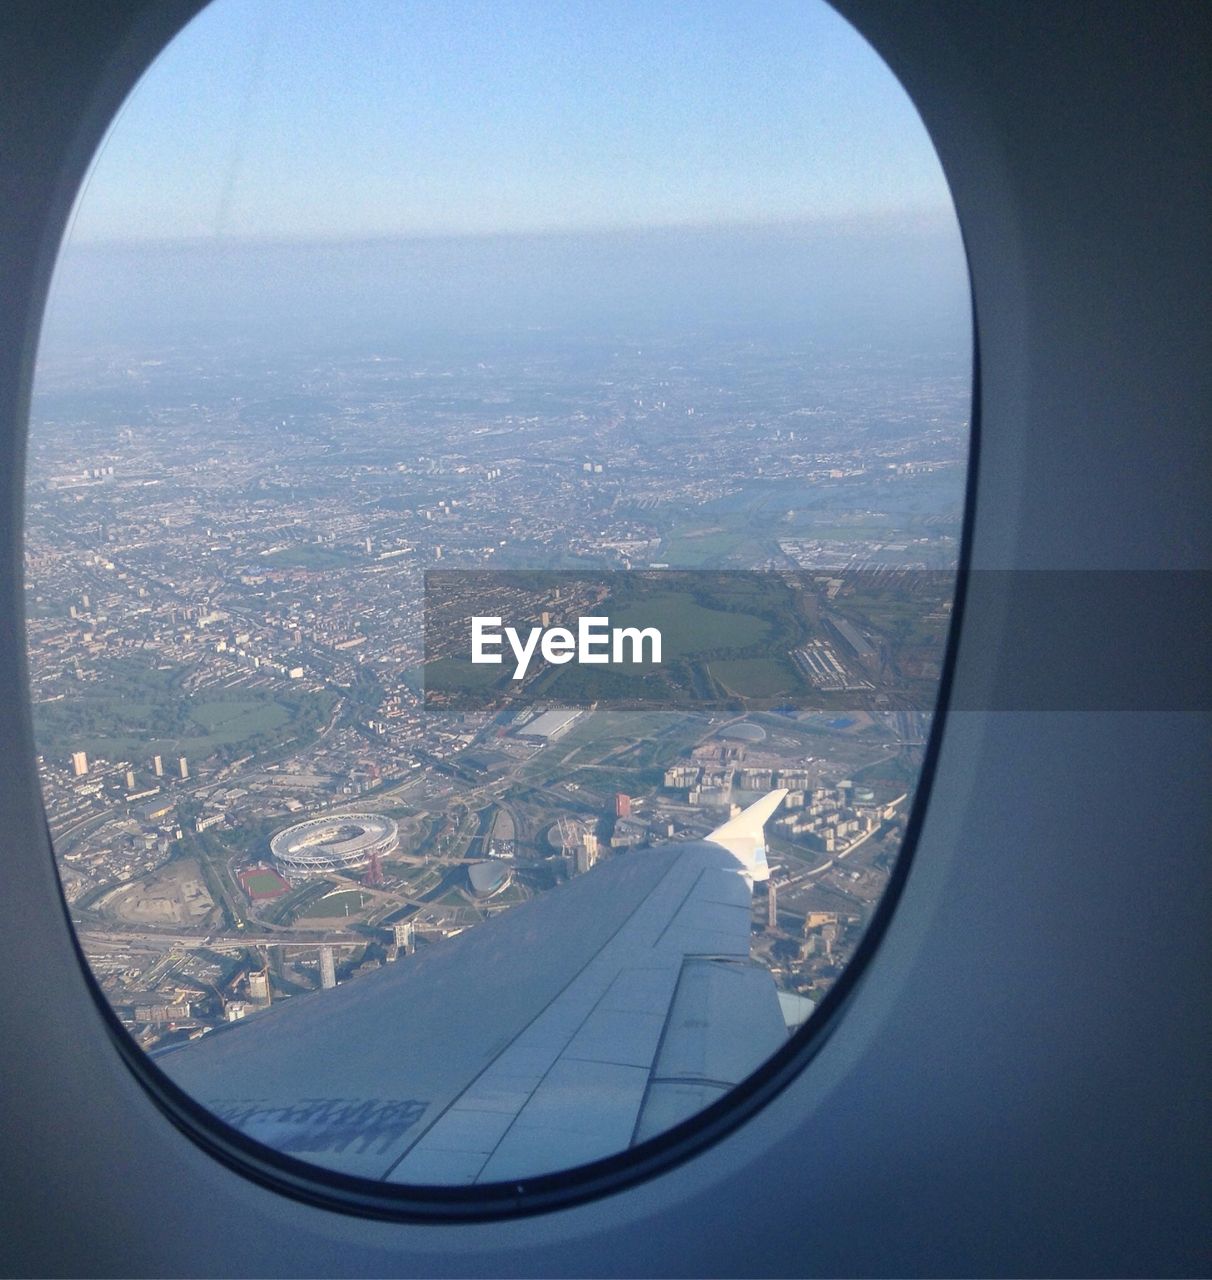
(815, 642)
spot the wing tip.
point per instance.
(744, 837)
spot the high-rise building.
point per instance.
(586, 853)
(258, 985)
(772, 905)
(183, 766)
(130, 779)
(158, 766)
(328, 969)
(622, 805)
(79, 763)
(402, 932)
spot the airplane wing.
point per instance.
(562, 1031)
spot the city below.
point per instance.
(249, 795)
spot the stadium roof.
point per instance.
(550, 723)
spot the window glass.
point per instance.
(495, 487)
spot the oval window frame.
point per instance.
(149, 34)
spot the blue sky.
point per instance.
(303, 119)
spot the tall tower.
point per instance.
(328, 969)
(569, 842)
(79, 763)
(586, 853)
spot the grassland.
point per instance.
(347, 902)
(755, 677)
(709, 548)
(308, 556)
(139, 712)
(640, 739)
(688, 627)
(262, 883)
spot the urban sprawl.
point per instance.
(248, 796)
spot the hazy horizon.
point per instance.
(866, 283)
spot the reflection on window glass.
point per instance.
(496, 473)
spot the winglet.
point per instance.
(744, 838)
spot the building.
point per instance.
(328, 969)
(158, 766)
(489, 878)
(258, 986)
(337, 842)
(586, 853)
(550, 725)
(622, 805)
(162, 1012)
(403, 936)
(154, 810)
(79, 763)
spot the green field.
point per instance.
(709, 549)
(755, 677)
(459, 675)
(651, 737)
(688, 628)
(262, 882)
(135, 712)
(309, 556)
(347, 902)
(239, 718)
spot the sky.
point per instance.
(305, 119)
(374, 171)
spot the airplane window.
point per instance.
(495, 495)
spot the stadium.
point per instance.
(338, 842)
